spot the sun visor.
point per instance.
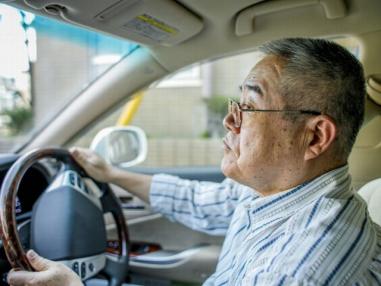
(163, 22)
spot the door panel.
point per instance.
(204, 173)
(186, 255)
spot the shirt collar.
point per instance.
(284, 203)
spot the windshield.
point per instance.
(44, 64)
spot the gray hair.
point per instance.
(321, 75)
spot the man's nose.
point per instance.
(230, 124)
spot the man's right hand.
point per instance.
(95, 166)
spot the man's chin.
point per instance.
(228, 168)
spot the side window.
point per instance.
(182, 114)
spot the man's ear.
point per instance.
(321, 132)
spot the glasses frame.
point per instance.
(232, 102)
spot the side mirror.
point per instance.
(121, 146)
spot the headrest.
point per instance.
(373, 87)
(371, 193)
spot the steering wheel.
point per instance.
(67, 223)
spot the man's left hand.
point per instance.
(49, 273)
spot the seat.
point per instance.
(371, 193)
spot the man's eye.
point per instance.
(254, 88)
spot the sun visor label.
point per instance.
(148, 26)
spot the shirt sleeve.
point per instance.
(202, 206)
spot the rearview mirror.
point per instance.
(121, 146)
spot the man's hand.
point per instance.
(49, 273)
(94, 165)
(97, 168)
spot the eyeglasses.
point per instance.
(236, 110)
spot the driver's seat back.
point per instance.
(371, 193)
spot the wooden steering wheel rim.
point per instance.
(8, 227)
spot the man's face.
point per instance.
(265, 149)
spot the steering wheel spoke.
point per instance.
(86, 267)
(116, 269)
(24, 233)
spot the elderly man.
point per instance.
(287, 209)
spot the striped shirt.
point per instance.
(318, 233)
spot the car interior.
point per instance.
(171, 35)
